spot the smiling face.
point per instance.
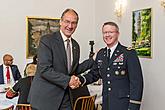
(68, 23)
(110, 35)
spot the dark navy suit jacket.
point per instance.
(15, 72)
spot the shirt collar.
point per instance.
(64, 37)
(113, 48)
(4, 66)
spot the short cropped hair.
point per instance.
(112, 24)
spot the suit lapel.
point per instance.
(62, 52)
(61, 48)
(1, 75)
(75, 53)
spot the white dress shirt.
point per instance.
(112, 49)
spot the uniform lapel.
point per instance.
(116, 53)
(105, 56)
(102, 59)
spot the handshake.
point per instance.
(74, 82)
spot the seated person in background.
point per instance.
(22, 87)
(8, 73)
(35, 60)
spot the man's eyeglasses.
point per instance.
(109, 32)
(8, 60)
(69, 22)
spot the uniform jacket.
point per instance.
(122, 78)
(52, 77)
(15, 72)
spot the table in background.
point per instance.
(4, 102)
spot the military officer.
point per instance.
(120, 70)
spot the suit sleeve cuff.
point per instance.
(82, 80)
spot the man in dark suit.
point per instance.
(50, 89)
(8, 73)
(120, 70)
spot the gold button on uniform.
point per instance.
(108, 75)
(117, 72)
(123, 72)
(109, 89)
(109, 82)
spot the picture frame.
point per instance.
(36, 27)
(142, 32)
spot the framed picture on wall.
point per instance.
(141, 32)
(37, 27)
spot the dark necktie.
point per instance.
(8, 75)
(108, 54)
(68, 52)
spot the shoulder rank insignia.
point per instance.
(129, 48)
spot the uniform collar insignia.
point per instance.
(129, 48)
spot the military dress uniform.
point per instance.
(122, 78)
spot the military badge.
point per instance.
(114, 63)
(120, 63)
(117, 72)
(123, 72)
(99, 62)
(118, 67)
(120, 58)
(129, 48)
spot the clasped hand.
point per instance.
(74, 82)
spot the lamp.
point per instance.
(163, 3)
(120, 6)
